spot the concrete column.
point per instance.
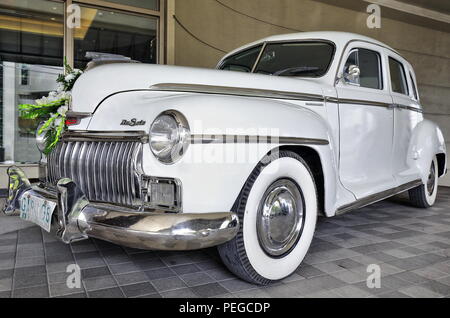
(9, 109)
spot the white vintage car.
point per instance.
(245, 157)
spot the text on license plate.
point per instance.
(37, 210)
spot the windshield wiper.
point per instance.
(297, 70)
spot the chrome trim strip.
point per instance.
(261, 93)
(107, 136)
(78, 114)
(235, 91)
(243, 139)
(405, 107)
(377, 197)
(357, 102)
(370, 103)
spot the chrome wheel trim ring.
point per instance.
(280, 218)
(431, 183)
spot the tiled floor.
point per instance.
(411, 246)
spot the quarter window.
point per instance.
(243, 61)
(398, 77)
(369, 63)
(414, 87)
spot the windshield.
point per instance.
(301, 59)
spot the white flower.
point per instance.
(69, 77)
(63, 110)
(59, 88)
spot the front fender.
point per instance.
(211, 178)
(427, 141)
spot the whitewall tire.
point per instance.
(425, 195)
(278, 212)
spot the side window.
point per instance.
(369, 63)
(414, 87)
(398, 77)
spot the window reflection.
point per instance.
(108, 31)
(31, 53)
(146, 4)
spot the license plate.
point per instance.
(37, 210)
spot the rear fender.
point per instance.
(427, 142)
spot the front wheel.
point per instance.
(278, 212)
(424, 196)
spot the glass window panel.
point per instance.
(243, 61)
(31, 56)
(302, 59)
(146, 4)
(398, 77)
(369, 64)
(107, 31)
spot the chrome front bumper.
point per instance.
(75, 218)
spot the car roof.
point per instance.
(339, 38)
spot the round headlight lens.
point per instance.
(40, 138)
(169, 137)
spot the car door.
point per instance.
(407, 115)
(366, 119)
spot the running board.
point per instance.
(378, 197)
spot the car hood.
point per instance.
(97, 84)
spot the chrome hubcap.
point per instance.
(431, 180)
(280, 218)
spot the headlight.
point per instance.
(40, 138)
(169, 136)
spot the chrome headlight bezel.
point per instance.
(175, 148)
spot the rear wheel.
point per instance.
(277, 209)
(424, 196)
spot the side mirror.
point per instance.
(351, 75)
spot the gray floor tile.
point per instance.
(31, 292)
(61, 289)
(236, 285)
(99, 283)
(30, 280)
(106, 293)
(95, 272)
(186, 269)
(179, 293)
(5, 294)
(138, 289)
(160, 273)
(131, 278)
(196, 279)
(167, 284)
(209, 290)
(418, 291)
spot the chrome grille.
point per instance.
(106, 171)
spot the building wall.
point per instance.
(205, 29)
